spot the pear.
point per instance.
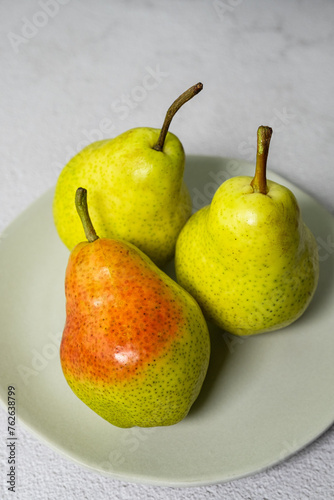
(136, 188)
(248, 258)
(135, 346)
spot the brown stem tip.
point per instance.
(259, 182)
(172, 110)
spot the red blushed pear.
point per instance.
(135, 347)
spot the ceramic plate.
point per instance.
(264, 397)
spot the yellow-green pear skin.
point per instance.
(137, 194)
(136, 346)
(248, 258)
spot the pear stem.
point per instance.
(182, 99)
(82, 209)
(259, 182)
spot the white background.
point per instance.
(76, 71)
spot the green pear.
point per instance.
(248, 258)
(135, 346)
(136, 186)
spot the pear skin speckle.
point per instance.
(135, 347)
(248, 258)
(136, 194)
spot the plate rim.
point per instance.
(140, 479)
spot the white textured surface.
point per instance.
(260, 61)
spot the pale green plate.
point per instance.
(264, 397)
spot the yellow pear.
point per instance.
(136, 186)
(248, 258)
